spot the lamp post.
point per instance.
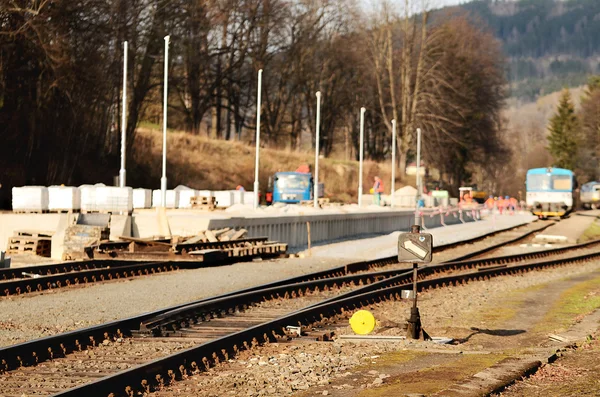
(393, 184)
(316, 187)
(360, 166)
(258, 105)
(122, 173)
(163, 180)
(418, 168)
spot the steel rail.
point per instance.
(168, 322)
(70, 266)
(102, 270)
(160, 372)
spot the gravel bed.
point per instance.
(50, 312)
(284, 369)
(450, 254)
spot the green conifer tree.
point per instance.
(564, 129)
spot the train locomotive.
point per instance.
(589, 195)
(550, 191)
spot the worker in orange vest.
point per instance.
(377, 190)
(513, 203)
(501, 204)
(490, 203)
(468, 199)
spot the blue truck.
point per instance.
(291, 187)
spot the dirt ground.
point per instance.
(576, 373)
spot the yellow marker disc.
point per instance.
(362, 322)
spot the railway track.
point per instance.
(189, 338)
(30, 279)
(17, 281)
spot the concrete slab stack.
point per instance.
(142, 198)
(224, 198)
(238, 197)
(101, 198)
(30, 199)
(185, 195)
(64, 198)
(172, 198)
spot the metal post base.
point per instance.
(163, 191)
(413, 329)
(413, 326)
(122, 176)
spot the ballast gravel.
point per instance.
(47, 313)
(291, 369)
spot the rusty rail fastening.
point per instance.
(158, 373)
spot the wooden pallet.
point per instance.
(33, 233)
(102, 212)
(41, 246)
(30, 211)
(203, 203)
(320, 202)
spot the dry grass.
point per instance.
(203, 163)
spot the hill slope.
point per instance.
(550, 43)
(203, 163)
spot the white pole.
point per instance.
(122, 175)
(258, 105)
(360, 167)
(417, 218)
(316, 188)
(163, 180)
(393, 184)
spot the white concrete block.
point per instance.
(106, 198)
(30, 198)
(205, 193)
(238, 196)
(185, 197)
(224, 198)
(172, 198)
(142, 198)
(248, 198)
(64, 198)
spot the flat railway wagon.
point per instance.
(589, 195)
(550, 191)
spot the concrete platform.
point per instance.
(384, 246)
(569, 230)
(286, 224)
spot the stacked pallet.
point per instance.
(30, 242)
(213, 236)
(203, 203)
(207, 246)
